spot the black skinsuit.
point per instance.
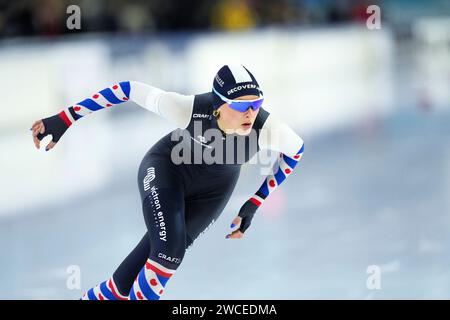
(180, 201)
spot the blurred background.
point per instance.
(372, 105)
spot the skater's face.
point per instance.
(233, 121)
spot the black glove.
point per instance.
(247, 212)
(55, 126)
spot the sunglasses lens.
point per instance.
(239, 106)
(257, 104)
(243, 106)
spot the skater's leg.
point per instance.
(106, 290)
(127, 271)
(162, 195)
(164, 216)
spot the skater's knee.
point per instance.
(169, 257)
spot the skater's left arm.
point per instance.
(278, 136)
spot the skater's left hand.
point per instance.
(236, 234)
(243, 220)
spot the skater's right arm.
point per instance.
(175, 107)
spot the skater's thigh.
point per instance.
(202, 213)
(157, 172)
(162, 193)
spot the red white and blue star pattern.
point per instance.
(150, 282)
(107, 290)
(149, 285)
(106, 98)
(284, 167)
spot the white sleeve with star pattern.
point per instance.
(176, 108)
(278, 136)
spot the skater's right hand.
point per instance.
(53, 125)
